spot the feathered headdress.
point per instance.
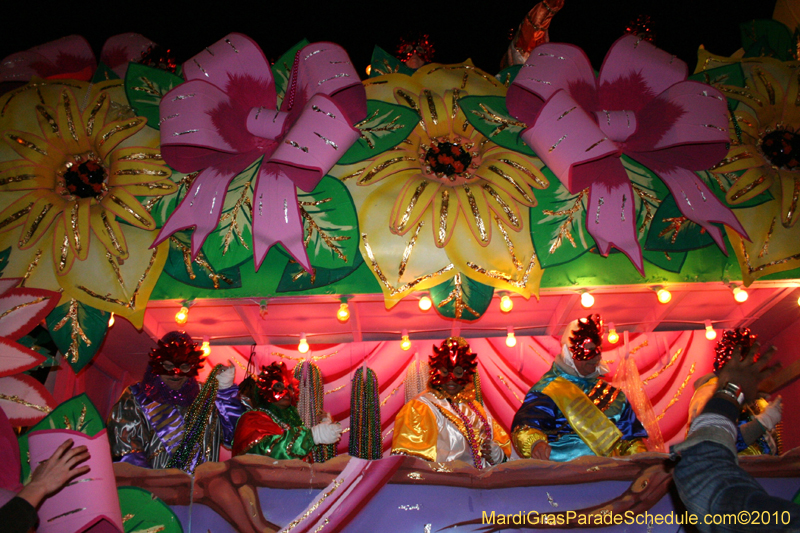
(730, 339)
(452, 360)
(176, 354)
(275, 382)
(588, 330)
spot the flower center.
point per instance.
(84, 177)
(782, 148)
(448, 159)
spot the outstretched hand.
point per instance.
(54, 473)
(746, 372)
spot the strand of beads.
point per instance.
(471, 439)
(365, 416)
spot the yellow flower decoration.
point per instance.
(73, 161)
(447, 199)
(767, 157)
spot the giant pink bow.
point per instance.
(224, 118)
(641, 106)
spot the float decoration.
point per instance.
(455, 201)
(641, 105)
(225, 117)
(77, 414)
(78, 331)
(490, 116)
(143, 511)
(75, 161)
(386, 126)
(383, 63)
(768, 38)
(197, 272)
(461, 298)
(145, 87)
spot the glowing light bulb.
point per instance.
(302, 347)
(369, 69)
(587, 300)
(206, 348)
(798, 301)
(182, 316)
(613, 336)
(425, 303)
(511, 340)
(664, 296)
(506, 304)
(710, 333)
(405, 342)
(111, 320)
(740, 295)
(343, 314)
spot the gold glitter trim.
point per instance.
(16, 399)
(765, 249)
(663, 368)
(76, 334)
(489, 115)
(457, 296)
(411, 204)
(131, 304)
(407, 251)
(512, 218)
(752, 185)
(793, 205)
(649, 214)
(93, 113)
(511, 181)
(130, 210)
(385, 282)
(68, 111)
(777, 262)
(31, 267)
(732, 159)
(294, 523)
(355, 174)
(329, 240)
(408, 98)
(383, 166)
(142, 172)
(62, 259)
(73, 219)
(66, 514)
(21, 306)
(126, 518)
(19, 178)
(48, 117)
(27, 144)
(26, 237)
(34, 86)
(741, 92)
(117, 129)
(526, 171)
(394, 391)
(340, 387)
(111, 235)
(442, 233)
(503, 381)
(13, 217)
(431, 106)
(767, 85)
(473, 205)
(564, 228)
(367, 133)
(233, 215)
(187, 261)
(115, 268)
(678, 393)
(509, 244)
(142, 156)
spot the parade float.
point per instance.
(287, 210)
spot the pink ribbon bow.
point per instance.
(225, 117)
(641, 106)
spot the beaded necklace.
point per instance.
(195, 422)
(472, 440)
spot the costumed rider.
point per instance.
(756, 434)
(572, 411)
(274, 428)
(168, 420)
(447, 422)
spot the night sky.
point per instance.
(458, 29)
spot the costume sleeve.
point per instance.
(501, 438)
(230, 408)
(17, 516)
(129, 431)
(415, 431)
(257, 433)
(537, 418)
(628, 423)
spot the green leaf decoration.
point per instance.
(200, 272)
(489, 115)
(77, 414)
(724, 75)
(671, 231)
(557, 224)
(386, 126)
(383, 63)
(669, 261)
(462, 298)
(103, 73)
(161, 207)
(4, 255)
(282, 69)
(231, 243)
(145, 86)
(295, 278)
(78, 330)
(507, 75)
(721, 183)
(40, 341)
(767, 38)
(330, 224)
(144, 512)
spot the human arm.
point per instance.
(532, 423)
(51, 475)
